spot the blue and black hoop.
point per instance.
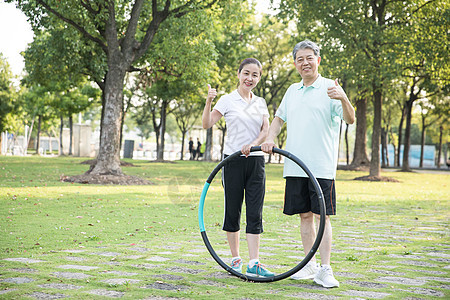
(319, 232)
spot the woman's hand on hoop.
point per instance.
(246, 149)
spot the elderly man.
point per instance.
(312, 110)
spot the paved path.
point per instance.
(106, 272)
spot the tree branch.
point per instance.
(74, 24)
(157, 19)
(130, 33)
(406, 19)
(365, 49)
(89, 8)
(429, 95)
(111, 30)
(133, 69)
(94, 13)
(422, 6)
(184, 9)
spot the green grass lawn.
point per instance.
(381, 229)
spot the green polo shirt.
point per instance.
(313, 120)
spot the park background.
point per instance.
(116, 69)
(396, 76)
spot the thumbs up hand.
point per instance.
(212, 93)
(336, 92)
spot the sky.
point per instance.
(16, 33)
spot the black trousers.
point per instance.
(244, 176)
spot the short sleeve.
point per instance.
(221, 106)
(281, 111)
(336, 109)
(263, 107)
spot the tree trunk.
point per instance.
(108, 159)
(162, 129)
(222, 141)
(422, 142)
(71, 134)
(376, 134)
(395, 151)
(446, 159)
(391, 136)
(157, 128)
(281, 139)
(61, 152)
(446, 154)
(347, 154)
(38, 136)
(183, 136)
(122, 121)
(386, 146)
(207, 156)
(359, 152)
(383, 148)
(407, 143)
(120, 56)
(50, 148)
(163, 133)
(124, 114)
(438, 162)
(400, 131)
(101, 118)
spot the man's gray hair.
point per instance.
(306, 45)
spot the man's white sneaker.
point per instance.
(325, 277)
(307, 272)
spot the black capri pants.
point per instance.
(244, 175)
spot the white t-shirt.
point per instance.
(313, 120)
(244, 120)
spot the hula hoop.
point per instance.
(319, 233)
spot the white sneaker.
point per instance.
(325, 277)
(307, 272)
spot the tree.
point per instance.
(124, 32)
(391, 112)
(186, 113)
(425, 68)
(7, 94)
(400, 98)
(37, 102)
(145, 128)
(222, 126)
(48, 65)
(360, 158)
(73, 101)
(9, 105)
(339, 60)
(273, 45)
(176, 65)
(159, 101)
(432, 111)
(232, 45)
(370, 29)
(443, 127)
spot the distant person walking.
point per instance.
(202, 149)
(247, 120)
(191, 149)
(199, 146)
